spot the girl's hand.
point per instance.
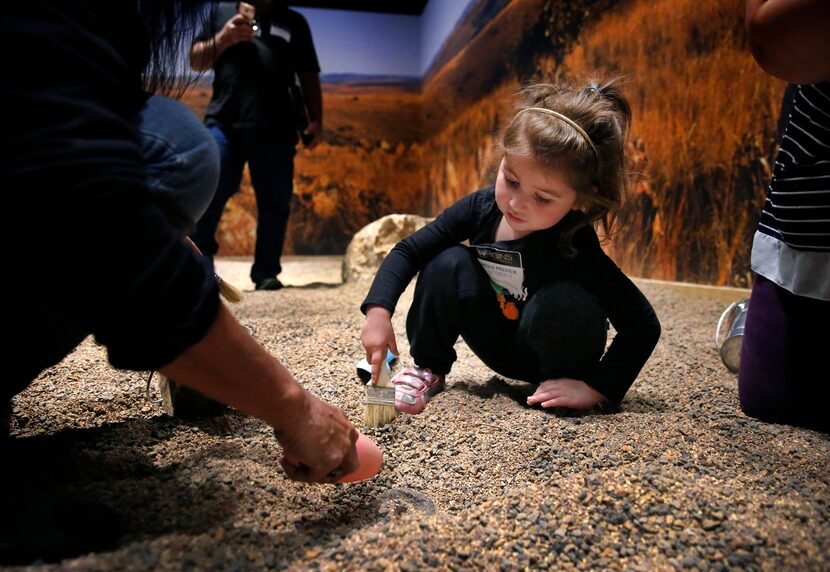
(565, 392)
(377, 335)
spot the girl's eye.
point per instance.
(511, 182)
(541, 200)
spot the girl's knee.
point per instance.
(451, 276)
(564, 326)
(565, 306)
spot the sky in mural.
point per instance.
(437, 21)
(366, 43)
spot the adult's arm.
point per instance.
(230, 366)
(313, 95)
(790, 39)
(155, 306)
(205, 52)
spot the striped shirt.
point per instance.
(792, 245)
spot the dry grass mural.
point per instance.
(703, 133)
(369, 165)
(705, 117)
(702, 139)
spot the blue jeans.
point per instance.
(181, 159)
(181, 156)
(271, 162)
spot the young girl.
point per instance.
(532, 292)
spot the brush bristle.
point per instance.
(228, 291)
(377, 415)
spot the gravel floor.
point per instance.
(680, 478)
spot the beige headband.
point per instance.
(564, 118)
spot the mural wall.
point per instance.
(702, 138)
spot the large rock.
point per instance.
(373, 242)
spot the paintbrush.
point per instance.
(380, 399)
(228, 291)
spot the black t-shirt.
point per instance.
(251, 79)
(82, 228)
(476, 218)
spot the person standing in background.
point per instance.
(782, 377)
(253, 117)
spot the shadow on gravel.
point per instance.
(377, 505)
(636, 404)
(316, 286)
(496, 386)
(83, 490)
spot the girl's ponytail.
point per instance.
(611, 91)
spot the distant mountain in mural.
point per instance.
(367, 80)
(490, 55)
(474, 19)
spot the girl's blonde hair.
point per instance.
(591, 153)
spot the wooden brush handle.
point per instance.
(192, 245)
(383, 375)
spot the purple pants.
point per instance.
(783, 376)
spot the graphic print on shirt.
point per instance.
(507, 275)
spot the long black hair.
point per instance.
(171, 27)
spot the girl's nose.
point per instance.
(516, 203)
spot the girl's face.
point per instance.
(532, 197)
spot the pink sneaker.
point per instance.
(414, 386)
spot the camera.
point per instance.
(249, 11)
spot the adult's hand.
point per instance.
(318, 444)
(237, 29)
(203, 53)
(228, 365)
(315, 129)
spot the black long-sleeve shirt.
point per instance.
(476, 218)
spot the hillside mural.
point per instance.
(702, 138)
